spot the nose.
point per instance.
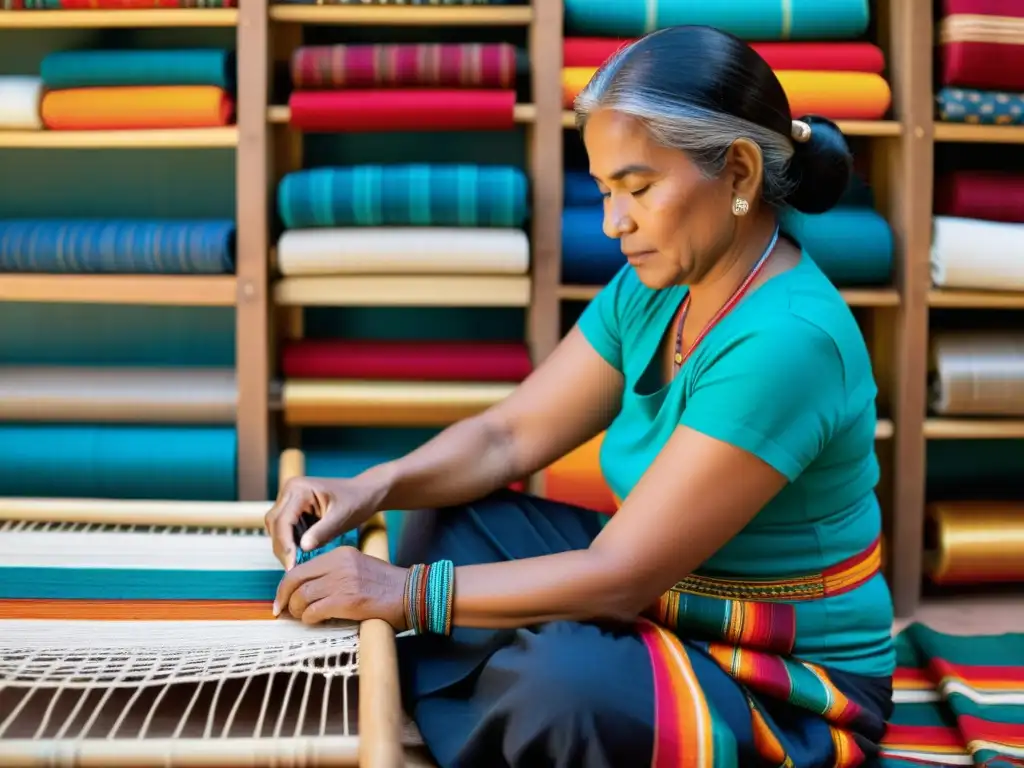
(617, 221)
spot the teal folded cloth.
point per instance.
(966, 105)
(91, 69)
(444, 195)
(747, 19)
(852, 245)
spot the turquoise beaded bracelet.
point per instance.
(429, 598)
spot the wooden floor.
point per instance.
(971, 615)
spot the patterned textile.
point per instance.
(112, 5)
(962, 105)
(404, 195)
(438, 65)
(117, 246)
(748, 629)
(959, 701)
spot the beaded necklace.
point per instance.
(679, 358)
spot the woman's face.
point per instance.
(671, 221)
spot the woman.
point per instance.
(731, 612)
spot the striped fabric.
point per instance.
(117, 246)
(404, 195)
(959, 701)
(748, 629)
(110, 5)
(438, 65)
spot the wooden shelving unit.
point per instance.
(104, 19)
(166, 290)
(396, 16)
(184, 138)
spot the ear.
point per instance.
(744, 165)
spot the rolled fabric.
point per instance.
(114, 5)
(427, 109)
(747, 19)
(835, 95)
(982, 46)
(987, 195)
(86, 69)
(980, 255)
(404, 195)
(119, 461)
(976, 107)
(974, 542)
(852, 246)
(404, 65)
(137, 108)
(405, 360)
(589, 257)
(154, 395)
(20, 98)
(117, 246)
(410, 251)
(978, 373)
(402, 2)
(832, 57)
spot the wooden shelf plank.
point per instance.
(407, 16)
(96, 19)
(979, 134)
(973, 429)
(404, 291)
(855, 297)
(281, 114)
(168, 290)
(877, 128)
(317, 403)
(976, 299)
(183, 138)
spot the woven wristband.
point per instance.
(429, 598)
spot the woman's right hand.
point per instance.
(341, 504)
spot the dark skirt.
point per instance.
(602, 695)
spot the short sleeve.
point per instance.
(600, 322)
(777, 392)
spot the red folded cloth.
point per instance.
(986, 195)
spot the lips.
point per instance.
(637, 256)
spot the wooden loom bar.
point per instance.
(910, 29)
(252, 321)
(198, 514)
(545, 44)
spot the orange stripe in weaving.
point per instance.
(137, 610)
(136, 108)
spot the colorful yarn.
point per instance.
(307, 521)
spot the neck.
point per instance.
(732, 267)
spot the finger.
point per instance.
(311, 591)
(323, 609)
(325, 529)
(283, 534)
(292, 580)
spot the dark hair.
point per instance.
(698, 89)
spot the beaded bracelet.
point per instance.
(429, 597)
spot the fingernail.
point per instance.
(276, 609)
(307, 543)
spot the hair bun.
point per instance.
(821, 167)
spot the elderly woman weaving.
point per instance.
(731, 612)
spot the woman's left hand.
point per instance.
(343, 584)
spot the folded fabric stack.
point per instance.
(131, 90)
(981, 62)
(978, 230)
(401, 220)
(852, 243)
(838, 80)
(402, 87)
(20, 97)
(110, 5)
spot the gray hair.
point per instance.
(704, 135)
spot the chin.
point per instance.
(656, 276)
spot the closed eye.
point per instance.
(634, 193)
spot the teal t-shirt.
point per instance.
(786, 376)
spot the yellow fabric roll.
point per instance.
(974, 542)
(403, 250)
(835, 95)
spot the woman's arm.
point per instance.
(569, 398)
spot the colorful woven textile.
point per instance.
(421, 109)
(823, 57)
(748, 19)
(117, 246)
(981, 44)
(986, 195)
(386, 65)
(404, 195)
(959, 701)
(138, 107)
(110, 5)
(78, 69)
(406, 360)
(962, 105)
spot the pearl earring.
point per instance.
(740, 207)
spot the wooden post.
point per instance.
(252, 352)
(546, 175)
(910, 23)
